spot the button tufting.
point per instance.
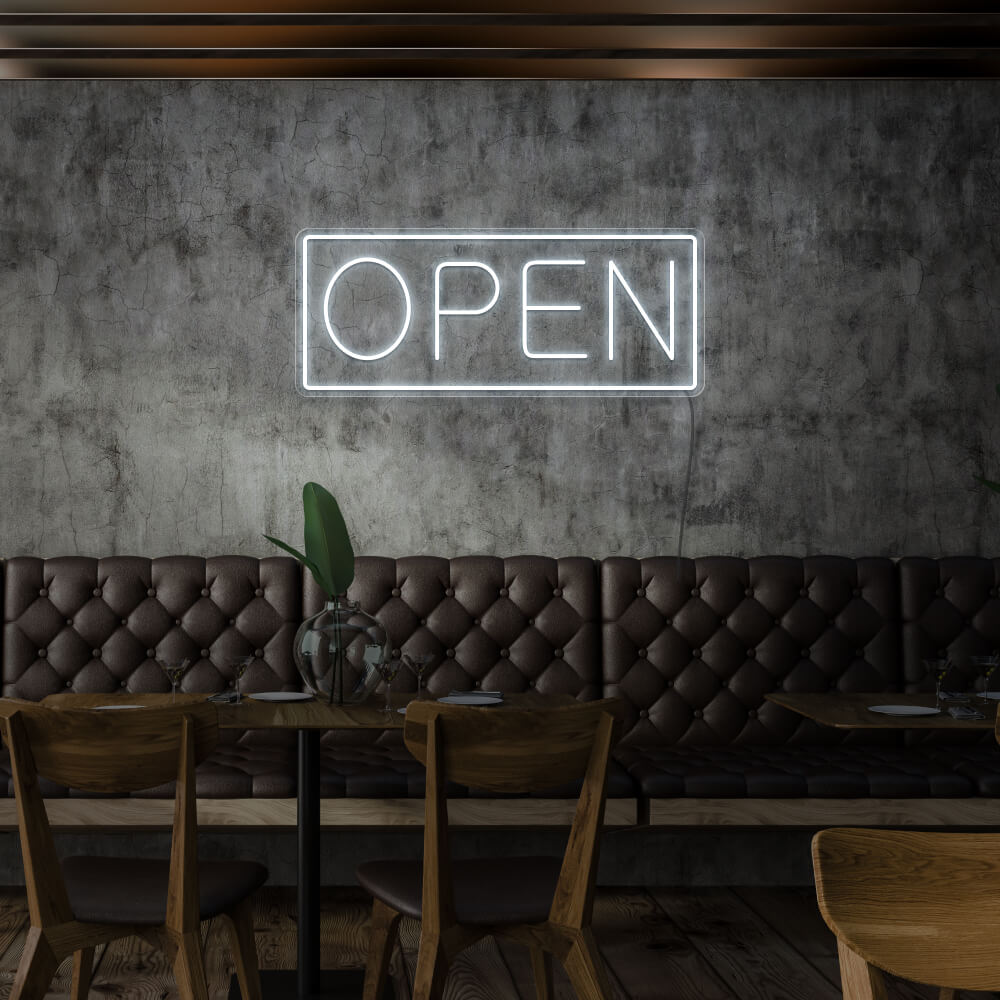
(722, 622)
(177, 621)
(642, 654)
(475, 684)
(832, 685)
(151, 654)
(859, 652)
(696, 653)
(69, 684)
(259, 653)
(423, 621)
(97, 654)
(857, 592)
(643, 713)
(204, 591)
(475, 621)
(504, 591)
(942, 653)
(670, 684)
(396, 591)
(558, 654)
(151, 592)
(777, 623)
(697, 713)
(831, 622)
(695, 592)
(395, 653)
(43, 593)
(939, 592)
(124, 621)
(204, 654)
(668, 622)
(751, 654)
(42, 653)
(232, 621)
(259, 592)
(449, 592)
(531, 683)
(748, 592)
(450, 653)
(641, 592)
(123, 684)
(806, 654)
(557, 592)
(505, 653)
(97, 591)
(803, 592)
(531, 621)
(69, 621)
(752, 714)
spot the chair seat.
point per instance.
(792, 771)
(487, 890)
(134, 890)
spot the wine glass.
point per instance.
(175, 670)
(388, 669)
(984, 667)
(418, 663)
(239, 666)
(937, 671)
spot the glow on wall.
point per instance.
(500, 313)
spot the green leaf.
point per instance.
(995, 486)
(324, 585)
(328, 543)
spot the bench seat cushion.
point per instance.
(842, 772)
(387, 771)
(979, 764)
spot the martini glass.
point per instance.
(175, 670)
(418, 663)
(985, 665)
(239, 667)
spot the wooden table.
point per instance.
(310, 719)
(850, 711)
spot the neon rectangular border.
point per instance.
(309, 235)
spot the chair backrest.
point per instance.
(509, 750)
(922, 906)
(116, 751)
(106, 751)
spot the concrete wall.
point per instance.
(147, 309)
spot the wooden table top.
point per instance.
(251, 714)
(850, 711)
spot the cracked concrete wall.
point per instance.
(147, 310)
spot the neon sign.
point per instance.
(500, 313)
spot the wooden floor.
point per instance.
(659, 944)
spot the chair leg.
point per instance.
(432, 969)
(946, 994)
(83, 970)
(859, 980)
(382, 937)
(244, 948)
(541, 965)
(585, 967)
(35, 970)
(189, 966)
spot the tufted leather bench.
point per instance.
(694, 645)
(691, 645)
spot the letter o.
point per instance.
(326, 308)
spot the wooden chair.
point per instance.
(83, 902)
(923, 906)
(545, 903)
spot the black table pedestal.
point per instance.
(307, 982)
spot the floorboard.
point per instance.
(658, 944)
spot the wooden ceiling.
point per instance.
(508, 39)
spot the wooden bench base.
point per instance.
(75, 815)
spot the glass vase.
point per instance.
(339, 651)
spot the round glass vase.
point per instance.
(339, 651)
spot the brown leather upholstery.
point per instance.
(487, 890)
(78, 624)
(841, 772)
(694, 645)
(134, 890)
(507, 624)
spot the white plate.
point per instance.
(109, 708)
(471, 699)
(992, 695)
(281, 696)
(904, 710)
(402, 711)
